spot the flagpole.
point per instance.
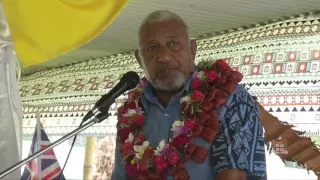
(54, 144)
(39, 144)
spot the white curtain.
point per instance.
(10, 104)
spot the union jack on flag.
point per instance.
(50, 168)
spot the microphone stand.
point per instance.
(102, 117)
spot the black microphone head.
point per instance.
(131, 78)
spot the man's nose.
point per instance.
(165, 55)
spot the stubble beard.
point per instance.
(173, 85)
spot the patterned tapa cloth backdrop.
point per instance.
(280, 61)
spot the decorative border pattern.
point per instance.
(285, 98)
(290, 100)
(280, 61)
(307, 108)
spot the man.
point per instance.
(166, 53)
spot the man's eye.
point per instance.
(150, 48)
(172, 44)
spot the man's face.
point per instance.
(167, 55)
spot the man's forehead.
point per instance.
(168, 29)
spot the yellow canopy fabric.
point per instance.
(43, 29)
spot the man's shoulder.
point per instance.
(240, 96)
(240, 90)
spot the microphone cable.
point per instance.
(72, 144)
(128, 81)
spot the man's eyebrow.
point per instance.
(148, 42)
(170, 36)
(152, 40)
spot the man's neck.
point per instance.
(165, 97)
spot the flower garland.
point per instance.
(209, 90)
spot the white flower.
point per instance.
(186, 99)
(177, 124)
(201, 75)
(161, 148)
(130, 113)
(140, 149)
(130, 138)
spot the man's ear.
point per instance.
(193, 48)
(136, 54)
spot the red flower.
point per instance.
(142, 166)
(195, 84)
(211, 94)
(184, 106)
(127, 148)
(160, 163)
(206, 105)
(196, 96)
(131, 105)
(125, 120)
(131, 170)
(158, 159)
(181, 140)
(189, 112)
(222, 65)
(124, 134)
(138, 120)
(148, 153)
(138, 140)
(122, 110)
(154, 176)
(211, 76)
(142, 176)
(181, 174)
(190, 123)
(173, 157)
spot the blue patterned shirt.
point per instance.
(239, 143)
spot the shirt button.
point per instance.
(166, 114)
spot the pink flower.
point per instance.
(179, 130)
(211, 76)
(196, 96)
(131, 170)
(190, 123)
(173, 157)
(138, 120)
(160, 163)
(143, 82)
(195, 74)
(195, 83)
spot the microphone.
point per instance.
(100, 111)
(128, 81)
